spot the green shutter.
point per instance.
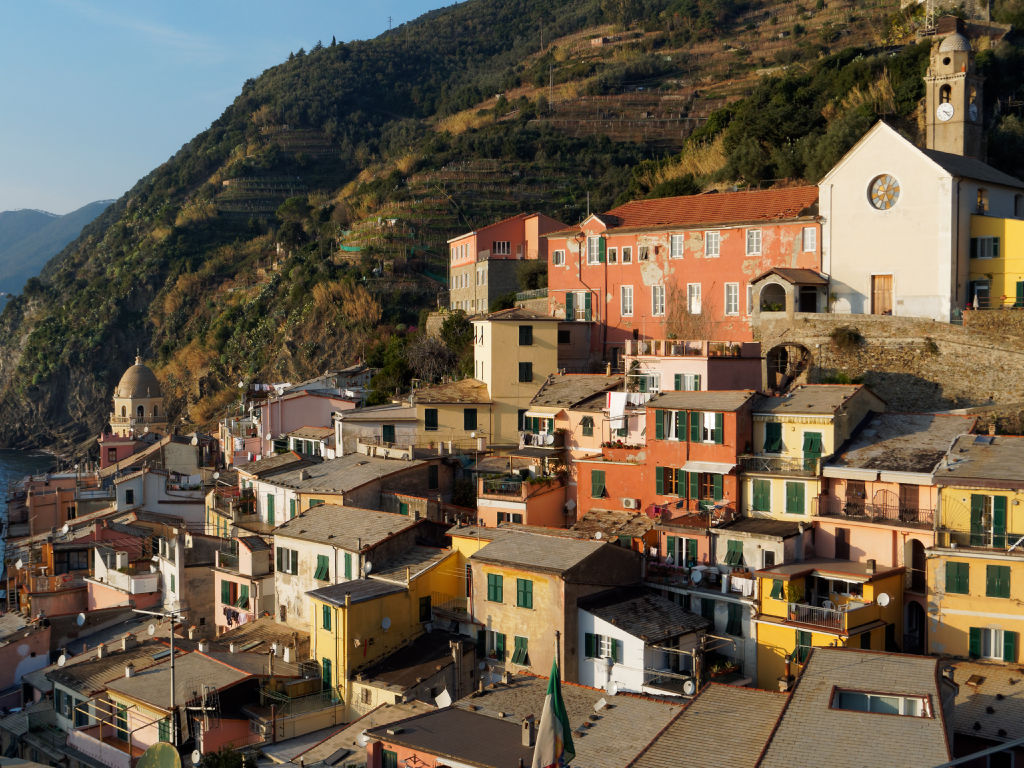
(694, 485)
(670, 546)
(696, 382)
(695, 426)
(999, 521)
(1020, 294)
(719, 433)
(772, 437)
(978, 534)
(681, 480)
(995, 247)
(280, 561)
(225, 591)
(679, 382)
(524, 593)
(974, 643)
(957, 577)
(602, 249)
(974, 247)
(270, 509)
(590, 645)
(469, 419)
(762, 495)
(1009, 646)
(616, 651)
(691, 551)
(777, 593)
(325, 610)
(795, 499)
(717, 487)
(588, 312)
(659, 425)
(659, 480)
(327, 673)
(243, 597)
(348, 566)
(680, 425)
(570, 311)
(597, 483)
(997, 581)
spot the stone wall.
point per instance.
(914, 364)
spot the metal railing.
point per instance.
(536, 293)
(803, 613)
(865, 511)
(791, 465)
(682, 348)
(505, 487)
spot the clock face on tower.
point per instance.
(944, 111)
(884, 191)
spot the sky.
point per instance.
(94, 94)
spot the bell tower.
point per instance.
(953, 100)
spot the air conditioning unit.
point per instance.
(631, 503)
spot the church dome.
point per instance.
(138, 382)
(955, 42)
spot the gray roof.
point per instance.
(414, 662)
(969, 168)
(532, 550)
(280, 462)
(265, 631)
(350, 528)
(985, 458)
(346, 740)
(89, 675)
(462, 736)
(152, 685)
(650, 617)
(840, 569)
(613, 523)
(572, 389)
(387, 412)
(616, 734)
(412, 562)
(518, 313)
(721, 400)
(809, 399)
(902, 442)
(984, 686)
(695, 739)
(811, 733)
(761, 526)
(493, 533)
(357, 590)
(340, 475)
(254, 543)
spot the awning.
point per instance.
(539, 415)
(850, 473)
(714, 467)
(910, 478)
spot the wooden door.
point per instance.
(881, 294)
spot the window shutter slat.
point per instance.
(659, 480)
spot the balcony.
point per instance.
(781, 465)
(554, 439)
(239, 505)
(981, 540)
(682, 348)
(227, 560)
(865, 512)
(514, 488)
(101, 743)
(841, 618)
(130, 580)
(449, 607)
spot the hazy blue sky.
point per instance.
(96, 93)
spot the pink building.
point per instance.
(678, 266)
(484, 263)
(675, 364)
(280, 415)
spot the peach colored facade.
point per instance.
(541, 502)
(697, 365)
(102, 596)
(649, 280)
(284, 414)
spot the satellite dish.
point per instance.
(151, 629)
(216, 475)
(197, 757)
(549, 439)
(18, 564)
(80, 619)
(160, 755)
(367, 567)
(195, 440)
(689, 686)
(65, 529)
(883, 599)
(598, 535)
(696, 576)
(385, 623)
(62, 660)
(613, 687)
(362, 739)
(443, 700)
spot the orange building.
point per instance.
(679, 266)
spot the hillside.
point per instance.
(29, 239)
(307, 226)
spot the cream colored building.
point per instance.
(515, 350)
(138, 403)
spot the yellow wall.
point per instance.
(793, 429)
(951, 615)
(1008, 269)
(955, 506)
(497, 354)
(305, 499)
(450, 423)
(467, 546)
(537, 624)
(812, 487)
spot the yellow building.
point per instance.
(997, 262)
(791, 435)
(514, 352)
(976, 570)
(356, 623)
(822, 603)
(459, 415)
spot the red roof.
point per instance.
(714, 208)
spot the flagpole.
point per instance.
(558, 653)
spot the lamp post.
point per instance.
(173, 616)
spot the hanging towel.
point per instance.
(617, 404)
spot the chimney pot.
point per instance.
(129, 670)
(204, 646)
(101, 651)
(529, 732)
(872, 566)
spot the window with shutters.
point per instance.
(734, 553)
(710, 486)
(348, 566)
(469, 419)
(520, 652)
(558, 259)
(772, 437)
(526, 335)
(430, 419)
(525, 372)
(668, 481)
(323, 568)
(496, 645)
(164, 730)
(803, 646)
(494, 587)
(693, 298)
(734, 624)
(761, 495)
(778, 591)
(993, 643)
(958, 577)
(988, 521)
(597, 487)
(524, 593)
(997, 581)
(388, 759)
(795, 499)
(327, 679)
(984, 247)
(325, 617)
(593, 250)
(675, 246)
(587, 426)
(687, 382)
(243, 597)
(812, 451)
(287, 561)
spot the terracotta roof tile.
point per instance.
(715, 208)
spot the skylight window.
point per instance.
(881, 703)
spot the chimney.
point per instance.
(231, 647)
(129, 670)
(529, 733)
(608, 369)
(128, 641)
(101, 651)
(872, 566)
(121, 560)
(303, 474)
(192, 632)
(992, 427)
(204, 646)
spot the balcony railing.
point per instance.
(986, 539)
(506, 487)
(682, 348)
(516, 488)
(841, 618)
(227, 560)
(783, 465)
(449, 606)
(536, 293)
(864, 511)
(542, 439)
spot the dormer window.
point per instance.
(882, 703)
